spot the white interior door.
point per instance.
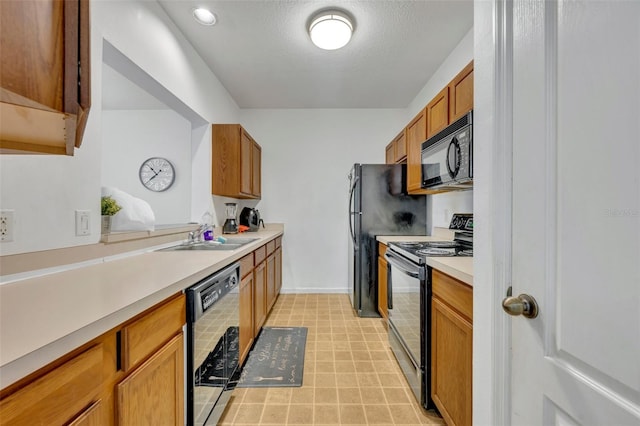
(576, 212)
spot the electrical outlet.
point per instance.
(6, 225)
(83, 223)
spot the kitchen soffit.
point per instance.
(261, 52)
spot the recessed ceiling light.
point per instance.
(330, 29)
(204, 16)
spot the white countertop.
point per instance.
(45, 317)
(457, 267)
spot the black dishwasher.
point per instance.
(212, 345)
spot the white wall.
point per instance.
(44, 191)
(306, 157)
(306, 153)
(440, 207)
(129, 138)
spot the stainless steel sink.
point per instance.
(230, 244)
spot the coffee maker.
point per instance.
(230, 225)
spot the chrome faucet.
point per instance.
(196, 235)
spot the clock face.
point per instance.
(157, 174)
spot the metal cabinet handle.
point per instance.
(524, 305)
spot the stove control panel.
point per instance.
(462, 222)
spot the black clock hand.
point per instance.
(151, 178)
(155, 173)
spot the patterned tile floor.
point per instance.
(350, 374)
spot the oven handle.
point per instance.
(407, 267)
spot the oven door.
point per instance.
(407, 304)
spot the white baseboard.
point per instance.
(312, 290)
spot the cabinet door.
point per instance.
(246, 151)
(451, 350)
(438, 112)
(271, 281)
(389, 153)
(44, 75)
(95, 415)
(416, 133)
(154, 393)
(400, 147)
(382, 287)
(278, 270)
(256, 170)
(260, 300)
(246, 316)
(461, 93)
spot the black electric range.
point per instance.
(462, 244)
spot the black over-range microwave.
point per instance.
(447, 157)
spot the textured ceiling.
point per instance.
(261, 52)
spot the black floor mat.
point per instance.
(277, 359)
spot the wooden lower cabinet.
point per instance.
(154, 393)
(131, 375)
(58, 396)
(278, 270)
(382, 281)
(271, 281)
(260, 297)
(451, 348)
(259, 290)
(246, 325)
(95, 415)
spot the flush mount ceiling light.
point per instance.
(204, 16)
(330, 29)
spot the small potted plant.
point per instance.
(109, 208)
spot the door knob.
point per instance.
(524, 305)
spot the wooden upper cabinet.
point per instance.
(400, 147)
(45, 91)
(389, 154)
(438, 112)
(236, 162)
(461, 93)
(246, 152)
(396, 151)
(416, 133)
(256, 170)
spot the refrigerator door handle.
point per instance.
(352, 213)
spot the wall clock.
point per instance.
(157, 174)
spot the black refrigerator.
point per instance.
(378, 205)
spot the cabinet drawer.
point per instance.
(260, 254)
(453, 292)
(246, 265)
(147, 334)
(271, 247)
(278, 242)
(58, 396)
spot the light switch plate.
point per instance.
(83, 222)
